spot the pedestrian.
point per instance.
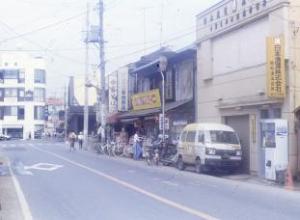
(136, 146)
(101, 134)
(80, 140)
(72, 139)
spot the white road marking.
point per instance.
(131, 171)
(43, 166)
(23, 203)
(170, 183)
(135, 188)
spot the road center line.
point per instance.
(135, 188)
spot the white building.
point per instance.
(22, 95)
(233, 71)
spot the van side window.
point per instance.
(183, 136)
(190, 137)
(200, 136)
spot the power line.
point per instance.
(43, 28)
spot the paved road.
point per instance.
(58, 184)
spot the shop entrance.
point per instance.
(241, 125)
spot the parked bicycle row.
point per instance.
(204, 146)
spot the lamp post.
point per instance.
(163, 62)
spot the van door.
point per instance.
(182, 145)
(190, 146)
(200, 145)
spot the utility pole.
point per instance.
(66, 113)
(86, 89)
(102, 66)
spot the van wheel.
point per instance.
(198, 166)
(180, 164)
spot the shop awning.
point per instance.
(14, 126)
(112, 118)
(147, 112)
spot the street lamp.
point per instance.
(163, 62)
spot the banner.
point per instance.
(123, 89)
(276, 82)
(113, 92)
(146, 100)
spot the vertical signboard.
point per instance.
(113, 92)
(276, 81)
(123, 89)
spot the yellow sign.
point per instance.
(276, 81)
(146, 100)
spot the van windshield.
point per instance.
(227, 137)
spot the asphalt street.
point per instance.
(58, 184)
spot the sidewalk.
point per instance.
(234, 177)
(258, 180)
(10, 208)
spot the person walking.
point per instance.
(80, 140)
(72, 139)
(137, 146)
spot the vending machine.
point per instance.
(274, 133)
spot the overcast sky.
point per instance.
(55, 29)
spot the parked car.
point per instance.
(4, 137)
(209, 145)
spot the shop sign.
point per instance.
(276, 83)
(123, 89)
(146, 100)
(113, 92)
(167, 122)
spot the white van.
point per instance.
(208, 145)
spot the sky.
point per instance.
(55, 29)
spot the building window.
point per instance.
(244, 13)
(39, 76)
(169, 85)
(250, 10)
(276, 113)
(226, 21)
(10, 111)
(211, 18)
(2, 94)
(1, 76)
(21, 94)
(257, 6)
(237, 16)
(243, 2)
(1, 112)
(218, 14)
(11, 92)
(225, 11)
(11, 74)
(39, 94)
(264, 114)
(264, 3)
(216, 26)
(21, 112)
(221, 23)
(39, 112)
(205, 21)
(21, 78)
(232, 19)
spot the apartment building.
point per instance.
(22, 95)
